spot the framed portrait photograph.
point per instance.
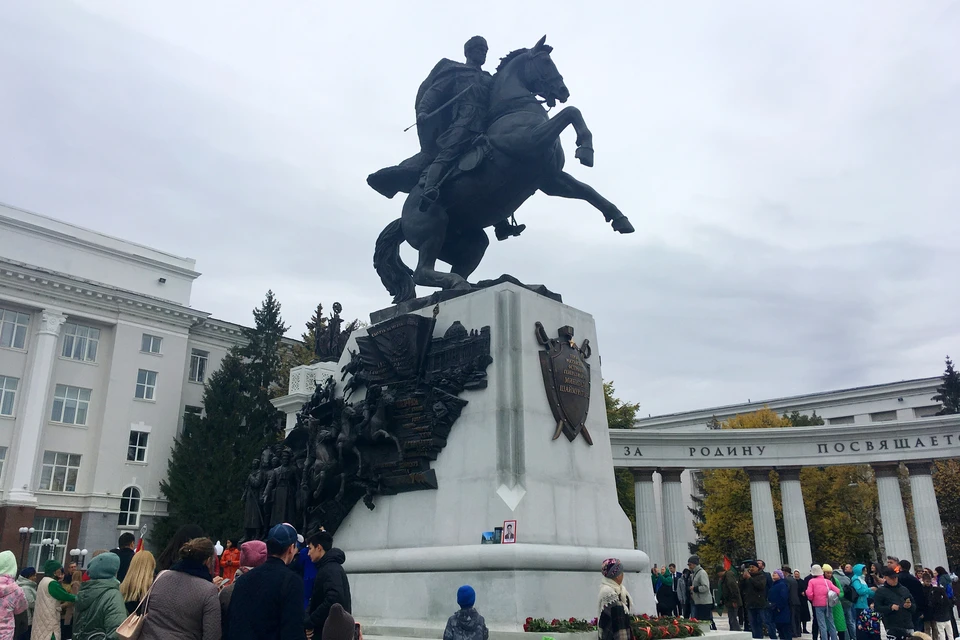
(509, 532)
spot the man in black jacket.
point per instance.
(916, 592)
(267, 602)
(330, 587)
(125, 552)
(894, 603)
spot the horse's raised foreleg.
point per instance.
(565, 185)
(545, 134)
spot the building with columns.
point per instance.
(881, 425)
(101, 355)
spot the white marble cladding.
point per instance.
(499, 464)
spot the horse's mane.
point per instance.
(505, 60)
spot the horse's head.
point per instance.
(538, 73)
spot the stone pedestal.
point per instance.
(407, 557)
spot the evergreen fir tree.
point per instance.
(315, 325)
(263, 349)
(211, 458)
(948, 393)
(697, 510)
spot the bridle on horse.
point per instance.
(541, 83)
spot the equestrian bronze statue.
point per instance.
(487, 144)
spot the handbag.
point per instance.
(132, 627)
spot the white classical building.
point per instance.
(880, 425)
(100, 357)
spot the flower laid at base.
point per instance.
(644, 627)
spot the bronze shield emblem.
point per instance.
(566, 378)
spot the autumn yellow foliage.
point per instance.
(840, 503)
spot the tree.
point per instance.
(946, 481)
(948, 393)
(263, 348)
(622, 415)
(211, 458)
(841, 504)
(197, 490)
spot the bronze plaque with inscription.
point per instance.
(566, 378)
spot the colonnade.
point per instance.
(668, 543)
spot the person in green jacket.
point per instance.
(100, 608)
(50, 598)
(839, 617)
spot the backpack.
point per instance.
(849, 593)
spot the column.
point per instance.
(34, 408)
(795, 527)
(926, 515)
(649, 529)
(764, 519)
(896, 539)
(674, 511)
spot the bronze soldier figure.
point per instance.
(451, 108)
(468, 86)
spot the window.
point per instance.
(198, 365)
(150, 344)
(59, 471)
(926, 412)
(841, 420)
(883, 416)
(3, 458)
(13, 328)
(146, 384)
(137, 451)
(80, 342)
(70, 405)
(129, 507)
(8, 394)
(57, 530)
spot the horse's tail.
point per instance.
(395, 275)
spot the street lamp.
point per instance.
(78, 556)
(25, 534)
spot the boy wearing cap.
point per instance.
(266, 601)
(466, 624)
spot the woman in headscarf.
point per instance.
(614, 603)
(779, 598)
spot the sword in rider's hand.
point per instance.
(441, 107)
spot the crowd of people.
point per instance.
(851, 602)
(283, 588)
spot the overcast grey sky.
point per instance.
(792, 169)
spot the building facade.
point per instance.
(100, 357)
(880, 425)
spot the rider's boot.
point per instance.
(431, 192)
(505, 230)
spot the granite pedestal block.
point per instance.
(407, 557)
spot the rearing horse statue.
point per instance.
(519, 154)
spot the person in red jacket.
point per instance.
(230, 560)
